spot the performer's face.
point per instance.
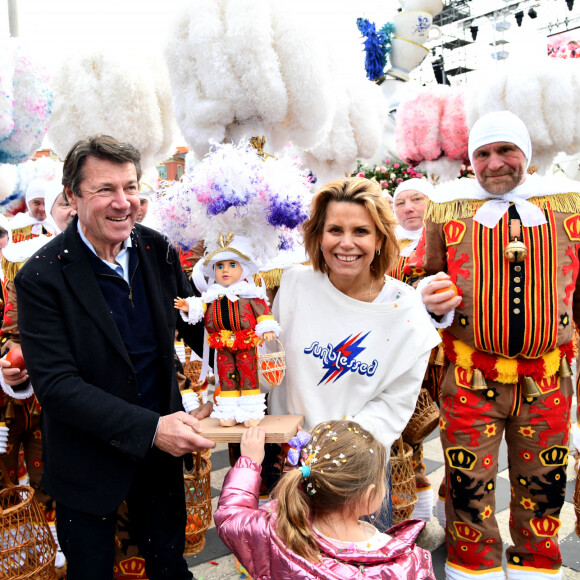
(349, 240)
(36, 207)
(143, 209)
(499, 167)
(227, 272)
(62, 213)
(410, 209)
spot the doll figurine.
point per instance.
(236, 318)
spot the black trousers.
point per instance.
(156, 504)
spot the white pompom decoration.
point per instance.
(125, 95)
(27, 101)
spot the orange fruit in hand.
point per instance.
(15, 358)
(447, 288)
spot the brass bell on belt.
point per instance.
(439, 357)
(478, 381)
(565, 370)
(530, 388)
(515, 251)
(9, 414)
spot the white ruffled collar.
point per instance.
(412, 235)
(241, 289)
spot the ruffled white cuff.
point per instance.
(251, 407)
(21, 395)
(225, 408)
(3, 438)
(190, 400)
(446, 319)
(423, 509)
(267, 326)
(575, 435)
(196, 311)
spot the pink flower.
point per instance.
(361, 174)
(419, 175)
(384, 184)
(400, 180)
(396, 166)
(387, 161)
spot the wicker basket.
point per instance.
(424, 420)
(576, 498)
(197, 502)
(272, 366)
(27, 548)
(404, 489)
(192, 369)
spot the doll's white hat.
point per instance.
(230, 247)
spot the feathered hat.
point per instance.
(240, 201)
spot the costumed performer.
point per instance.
(19, 406)
(34, 222)
(410, 201)
(509, 242)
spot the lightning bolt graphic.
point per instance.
(348, 348)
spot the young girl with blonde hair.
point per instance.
(312, 529)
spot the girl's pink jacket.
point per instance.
(250, 533)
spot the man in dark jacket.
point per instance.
(97, 328)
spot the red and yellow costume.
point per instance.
(231, 331)
(514, 327)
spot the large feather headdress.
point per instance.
(237, 189)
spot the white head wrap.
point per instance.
(496, 127)
(51, 195)
(149, 185)
(36, 190)
(414, 184)
(500, 126)
(424, 187)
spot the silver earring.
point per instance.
(379, 252)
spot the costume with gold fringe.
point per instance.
(510, 346)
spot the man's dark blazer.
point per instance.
(92, 427)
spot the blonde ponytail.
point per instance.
(341, 461)
(295, 517)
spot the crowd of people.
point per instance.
(486, 268)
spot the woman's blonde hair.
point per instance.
(344, 460)
(367, 193)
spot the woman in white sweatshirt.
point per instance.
(357, 341)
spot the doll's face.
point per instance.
(227, 272)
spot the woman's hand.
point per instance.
(440, 303)
(253, 440)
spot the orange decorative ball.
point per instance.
(194, 523)
(447, 288)
(15, 358)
